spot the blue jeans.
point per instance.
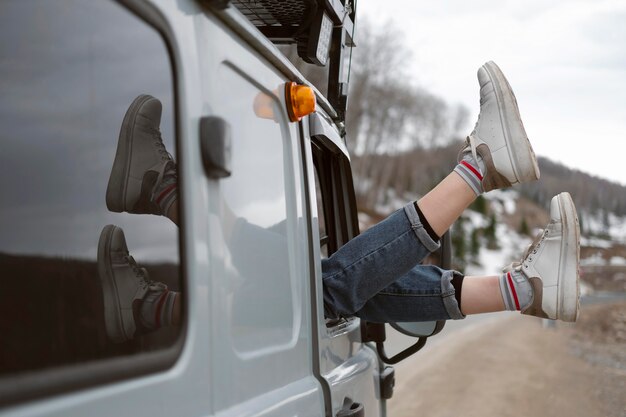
(377, 276)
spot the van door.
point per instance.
(261, 338)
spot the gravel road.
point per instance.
(512, 365)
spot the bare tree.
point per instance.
(388, 114)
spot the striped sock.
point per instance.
(516, 290)
(471, 171)
(166, 192)
(157, 308)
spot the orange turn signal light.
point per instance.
(300, 100)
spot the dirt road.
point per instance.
(515, 367)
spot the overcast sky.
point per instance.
(566, 62)
(68, 72)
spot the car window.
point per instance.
(69, 71)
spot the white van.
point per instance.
(253, 342)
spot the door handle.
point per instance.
(215, 146)
(351, 409)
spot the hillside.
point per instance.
(417, 171)
(498, 227)
(61, 311)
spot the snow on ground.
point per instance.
(476, 220)
(365, 221)
(362, 185)
(394, 202)
(601, 223)
(617, 261)
(585, 289)
(617, 228)
(502, 201)
(593, 222)
(594, 260)
(511, 245)
(595, 242)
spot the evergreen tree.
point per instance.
(479, 205)
(580, 223)
(605, 221)
(523, 227)
(490, 233)
(458, 244)
(474, 246)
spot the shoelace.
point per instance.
(469, 141)
(531, 250)
(169, 166)
(144, 282)
(160, 146)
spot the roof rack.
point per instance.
(322, 30)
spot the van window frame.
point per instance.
(39, 384)
(338, 199)
(341, 224)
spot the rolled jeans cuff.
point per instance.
(448, 294)
(418, 228)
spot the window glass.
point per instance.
(68, 72)
(321, 218)
(258, 201)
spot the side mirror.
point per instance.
(375, 332)
(419, 329)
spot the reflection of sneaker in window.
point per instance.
(499, 140)
(143, 177)
(551, 264)
(126, 289)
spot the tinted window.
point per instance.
(259, 200)
(321, 217)
(68, 72)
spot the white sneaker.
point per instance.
(551, 264)
(124, 286)
(499, 136)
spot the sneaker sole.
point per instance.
(568, 289)
(118, 180)
(521, 154)
(112, 309)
